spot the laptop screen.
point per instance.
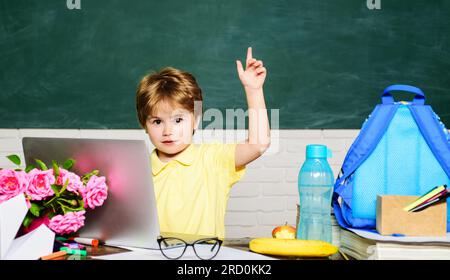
(128, 216)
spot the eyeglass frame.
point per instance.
(186, 244)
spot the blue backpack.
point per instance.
(402, 149)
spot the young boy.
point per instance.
(192, 182)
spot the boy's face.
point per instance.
(170, 129)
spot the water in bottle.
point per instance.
(315, 186)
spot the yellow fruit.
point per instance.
(292, 247)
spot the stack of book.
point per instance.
(363, 247)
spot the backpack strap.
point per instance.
(433, 133)
(339, 211)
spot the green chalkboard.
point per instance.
(327, 60)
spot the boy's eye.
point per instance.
(156, 121)
(178, 120)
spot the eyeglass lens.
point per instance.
(172, 248)
(206, 249)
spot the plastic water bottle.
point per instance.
(315, 186)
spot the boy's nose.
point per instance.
(167, 130)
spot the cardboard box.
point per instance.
(392, 219)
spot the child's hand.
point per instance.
(254, 75)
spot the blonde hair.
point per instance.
(169, 84)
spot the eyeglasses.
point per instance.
(173, 248)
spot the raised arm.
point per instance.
(252, 78)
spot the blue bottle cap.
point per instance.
(317, 151)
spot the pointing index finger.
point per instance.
(249, 54)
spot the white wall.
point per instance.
(267, 195)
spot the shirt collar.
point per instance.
(185, 158)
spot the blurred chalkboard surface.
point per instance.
(327, 61)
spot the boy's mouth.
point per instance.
(168, 142)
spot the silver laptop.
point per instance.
(129, 216)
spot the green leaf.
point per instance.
(64, 187)
(56, 189)
(81, 203)
(88, 176)
(15, 159)
(69, 163)
(55, 168)
(51, 214)
(27, 221)
(41, 164)
(35, 209)
(29, 168)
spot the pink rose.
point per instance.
(95, 192)
(75, 184)
(12, 183)
(68, 223)
(40, 184)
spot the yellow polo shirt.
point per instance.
(192, 190)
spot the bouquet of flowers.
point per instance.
(55, 197)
